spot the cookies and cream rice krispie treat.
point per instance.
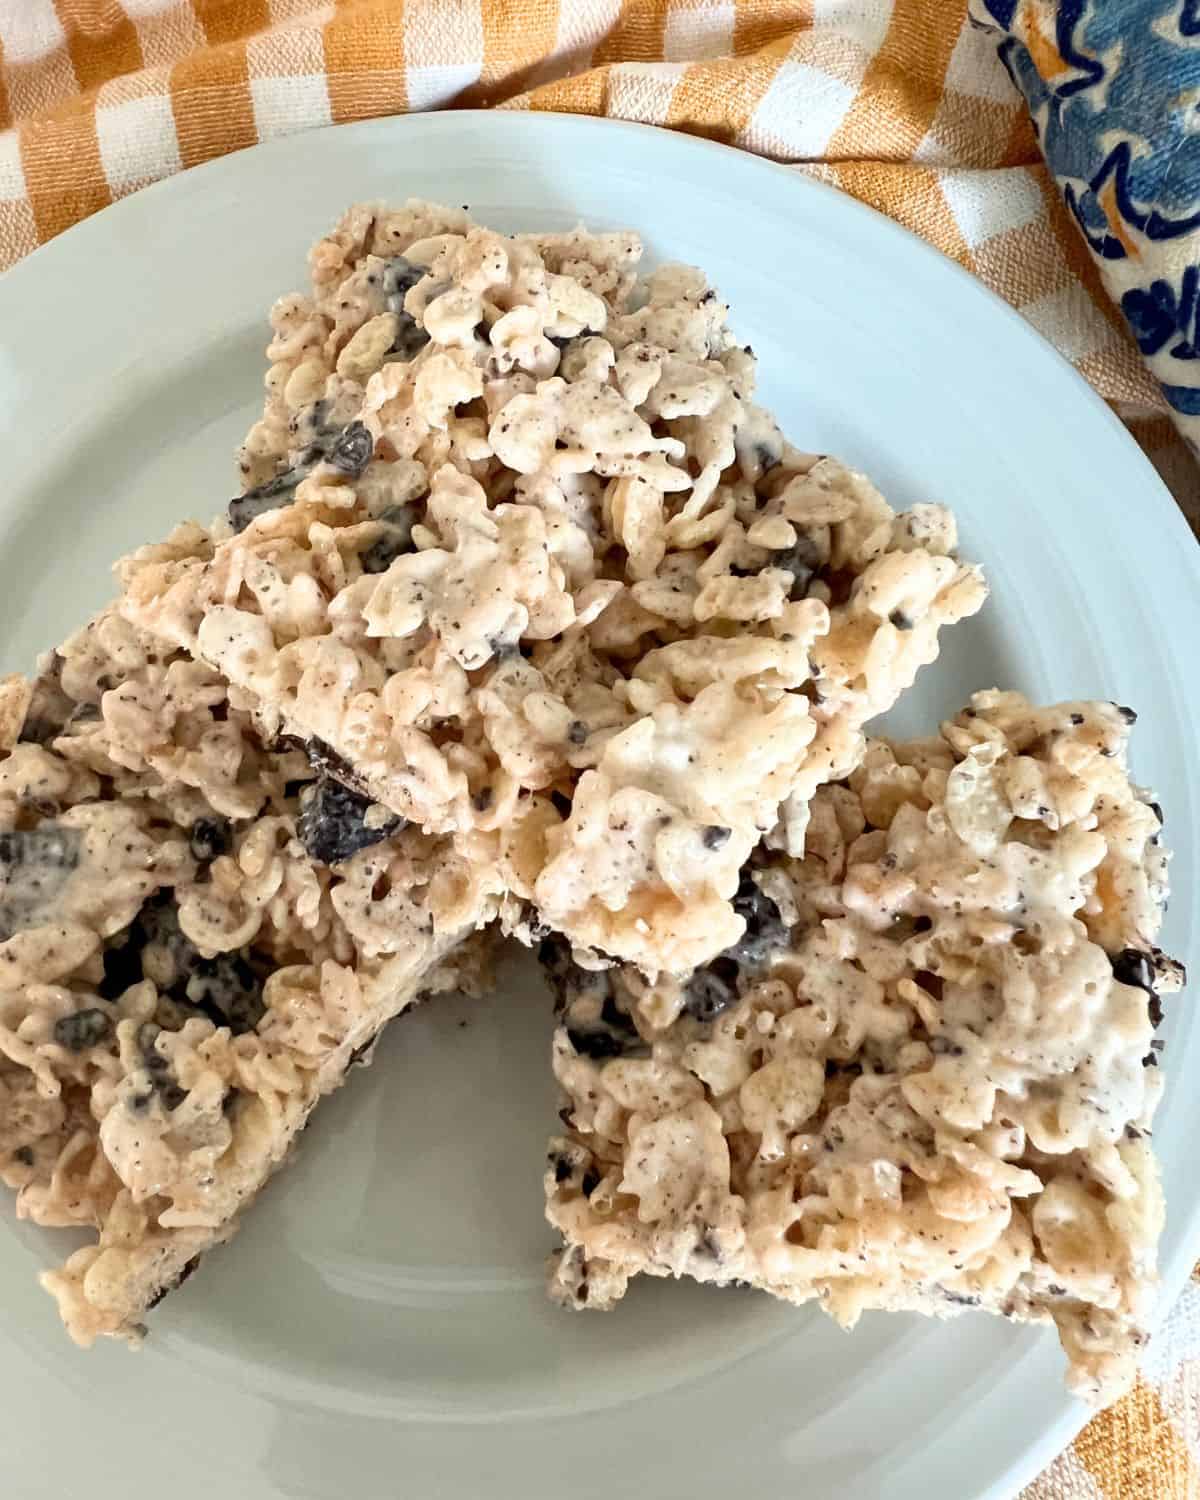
(924, 1077)
(527, 611)
(199, 933)
(517, 544)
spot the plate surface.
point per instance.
(378, 1326)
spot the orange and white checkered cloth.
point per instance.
(902, 103)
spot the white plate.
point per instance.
(378, 1326)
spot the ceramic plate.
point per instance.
(378, 1327)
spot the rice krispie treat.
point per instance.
(199, 933)
(518, 546)
(924, 1077)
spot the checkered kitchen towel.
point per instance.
(907, 104)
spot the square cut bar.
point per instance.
(924, 1079)
(519, 548)
(199, 933)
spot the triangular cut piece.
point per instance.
(925, 1076)
(200, 933)
(518, 546)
